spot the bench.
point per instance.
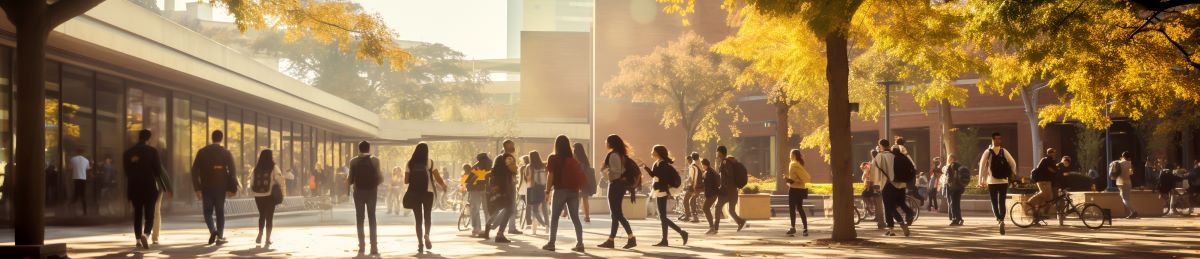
(780, 202)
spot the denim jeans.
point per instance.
(569, 200)
(616, 193)
(475, 200)
(663, 219)
(954, 201)
(732, 200)
(364, 203)
(214, 203)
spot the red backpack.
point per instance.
(571, 173)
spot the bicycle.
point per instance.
(864, 209)
(464, 211)
(1023, 214)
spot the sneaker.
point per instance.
(791, 232)
(662, 243)
(578, 248)
(631, 243)
(221, 241)
(1001, 227)
(501, 239)
(684, 235)
(742, 225)
(889, 233)
(548, 247)
(212, 238)
(607, 244)
(711, 232)
(806, 232)
(515, 232)
(904, 227)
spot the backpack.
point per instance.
(1114, 170)
(632, 174)
(262, 180)
(903, 169)
(740, 178)
(473, 182)
(368, 176)
(672, 178)
(999, 165)
(958, 176)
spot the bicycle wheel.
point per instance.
(1022, 214)
(915, 205)
(858, 217)
(1091, 215)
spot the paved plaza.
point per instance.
(316, 235)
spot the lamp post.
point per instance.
(1108, 146)
(887, 107)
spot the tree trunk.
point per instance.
(837, 71)
(30, 183)
(947, 120)
(1029, 97)
(781, 146)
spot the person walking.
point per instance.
(476, 185)
(364, 179)
(214, 177)
(503, 192)
(712, 190)
(145, 180)
(1043, 176)
(622, 178)
(1121, 171)
(79, 166)
(692, 188)
(666, 181)
(589, 189)
(885, 167)
(422, 181)
(955, 177)
(565, 180)
(268, 186)
(395, 184)
(535, 204)
(871, 189)
(798, 180)
(996, 166)
(935, 185)
(733, 178)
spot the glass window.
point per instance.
(6, 133)
(285, 146)
(182, 154)
(250, 149)
(200, 134)
(233, 142)
(110, 143)
(264, 133)
(216, 118)
(56, 183)
(276, 139)
(78, 112)
(147, 109)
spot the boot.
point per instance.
(607, 244)
(631, 243)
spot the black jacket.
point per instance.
(144, 173)
(213, 171)
(662, 169)
(1045, 171)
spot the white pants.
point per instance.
(157, 219)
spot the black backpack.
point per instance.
(262, 180)
(903, 169)
(958, 176)
(368, 177)
(672, 178)
(740, 178)
(632, 174)
(999, 165)
(712, 182)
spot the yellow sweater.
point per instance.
(798, 175)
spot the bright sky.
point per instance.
(477, 28)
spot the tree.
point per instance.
(688, 84)
(33, 21)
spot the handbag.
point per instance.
(276, 194)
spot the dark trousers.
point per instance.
(503, 218)
(616, 192)
(998, 193)
(796, 204)
(421, 211)
(80, 194)
(266, 214)
(143, 209)
(364, 203)
(954, 200)
(933, 198)
(709, 200)
(663, 219)
(214, 203)
(732, 201)
(893, 198)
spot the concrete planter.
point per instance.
(1146, 203)
(634, 210)
(754, 206)
(597, 205)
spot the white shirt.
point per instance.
(1126, 171)
(79, 166)
(882, 169)
(985, 163)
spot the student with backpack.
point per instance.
(364, 179)
(798, 180)
(589, 189)
(214, 177)
(475, 183)
(955, 177)
(502, 192)
(565, 180)
(268, 189)
(667, 183)
(421, 180)
(1120, 171)
(623, 175)
(692, 188)
(996, 166)
(893, 170)
(733, 178)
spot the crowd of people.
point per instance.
(565, 179)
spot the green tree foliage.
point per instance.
(688, 84)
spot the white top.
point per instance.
(882, 168)
(276, 179)
(1126, 171)
(985, 163)
(79, 166)
(616, 166)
